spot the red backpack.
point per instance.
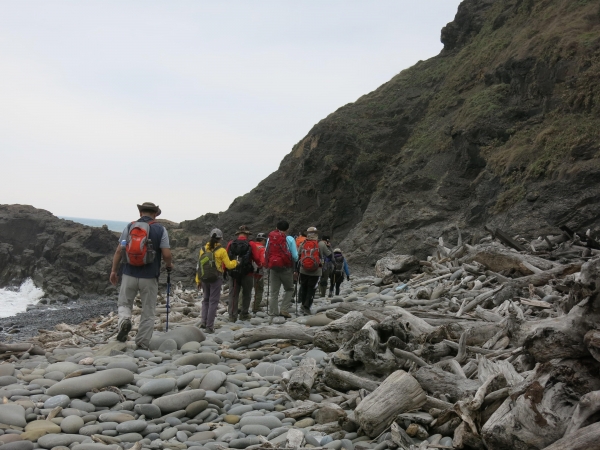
(139, 250)
(277, 254)
(310, 259)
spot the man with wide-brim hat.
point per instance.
(149, 207)
(241, 279)
(142, 245)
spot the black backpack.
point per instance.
(338, 262)
(240, 248)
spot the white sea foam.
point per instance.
(13, 301)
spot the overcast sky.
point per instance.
(188, 104)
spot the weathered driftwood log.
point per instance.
(435, 380)
(399, 393)
(292, 332)
(592, 342)
(365, 347)
(588, 405)
(302, 379)
(587, 438)
(498, 258)
(304, 409)
(542, 278)
(22, 347)
(333, 335)
(557, 337)
(413, 325)
(539, 413)
(344, 381)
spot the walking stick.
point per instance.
(268, 286)
(168, 296)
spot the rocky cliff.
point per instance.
(501, 128)
(64, 258)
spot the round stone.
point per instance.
(308, 422)
(132, 426)
(78, 386)
(231, 418)
(83, 406)
(106, 398)
(124, 364)
(58, 400)
(149, 411)
(179, 401)
(193, 409)
(256, 430)
(190, 347)
(168, 346)
(18, 445)
(157, 386)
(181, 436)
(213, 380)
(71, 424)
(56, 375)
(12, 414)
(267, 421)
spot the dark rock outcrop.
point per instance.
(62, 257)
(501, 128)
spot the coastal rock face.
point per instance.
(62, 257)
(501, 128)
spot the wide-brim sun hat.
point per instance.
(312, 233)
(149, 206)
(337, 250)
(243, 230)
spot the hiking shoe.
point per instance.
(202, 325)
(245, 317)
(330, 294)
(124, 330)
(233, 318)
(285, 314)
(210, 329)
(306, 310)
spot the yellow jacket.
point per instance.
(221, 259)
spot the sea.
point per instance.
(113, 225)
(14, 300)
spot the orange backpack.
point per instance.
(139, 250)
(310, 259)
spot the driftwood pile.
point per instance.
(482, 346)
(492, 345)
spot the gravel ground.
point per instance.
(26, 324)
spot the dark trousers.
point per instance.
(210, 303)
(335, 279)
(244, 285)
(308, 286)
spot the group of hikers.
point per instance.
(300, 265)
(283, 260)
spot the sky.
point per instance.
(187, 104)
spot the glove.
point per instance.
(348, 278)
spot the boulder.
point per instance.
(78, 386)
(179, 401)
(180, 335)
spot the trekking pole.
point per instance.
(168, 295)
(268, 286)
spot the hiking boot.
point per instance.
(306, 310)
(210, 330)
(245, 317)
(233, 318)
(330, 294)
(202, 325)
(285, 314)
(124, 330)
(142, 347)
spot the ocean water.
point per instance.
(16, 300)
(113, 225)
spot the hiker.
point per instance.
(300, 239)
(280, 258)
(327, 267)
(142, 245)
(212, 261)
(312, 254)
(241, 279)
(259, 274)
(340, 267)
